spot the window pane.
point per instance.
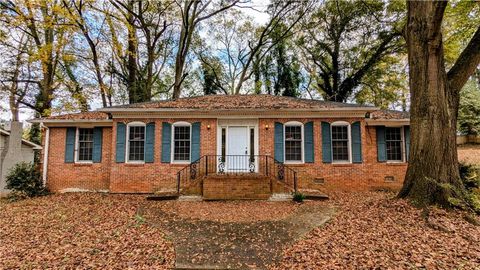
(293, 133)
(252, 144)
(181, 149)
(85, 144)
(293, 143)
(224, 142)
(340, 150)
(339, 132)
(293, 150)
(340, 143)
(393, 141)
(136, 142)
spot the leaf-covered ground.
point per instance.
(368, 231)
(230, 211)
(80, 231)
(374, 231)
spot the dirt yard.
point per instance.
(469, 153)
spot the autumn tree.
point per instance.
(192, 13)
(16, 74)
(44, 22)
(433, 174)
(141, 42)
(244, 52)
(78, 13)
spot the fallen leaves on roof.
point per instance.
(234, 102)
(389, 114)
(95, 115)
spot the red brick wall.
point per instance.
(349, 177)
(90, 176)
(148, 177)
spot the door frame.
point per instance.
(248, 123)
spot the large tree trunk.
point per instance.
(432, 174)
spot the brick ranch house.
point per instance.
(239, 146)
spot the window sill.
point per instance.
(396, 163)
(294, 163)
(180, 162)
(83, 164)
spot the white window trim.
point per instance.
(77, 147)
(294, 123)
(349, 143)
(172, 143)
(404, 153)
(127, 152)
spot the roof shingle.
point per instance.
(389, 114)
(235, 102)
(95, 115)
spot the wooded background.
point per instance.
(61, 56)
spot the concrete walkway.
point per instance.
(203, 244)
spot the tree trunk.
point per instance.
(134, 94)
(432, 174)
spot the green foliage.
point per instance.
(286, 73)
(386, 84)
(460, 22)
(211, 72)
(469, 109)
(25, 181)
(299, 197)
(343, 43)
(470, 176)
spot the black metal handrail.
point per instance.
(237, 164)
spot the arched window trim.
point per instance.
(290, 124)
(349, 142)
(172, 154)
(127, 152)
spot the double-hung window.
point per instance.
(84, 144)
(394, 143)
(340, 143)
(136, 142)
(181, 142)
(293, 143)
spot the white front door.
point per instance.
(237, 149)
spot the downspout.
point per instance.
(45, 154)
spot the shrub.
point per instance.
(470, 175)
(25, 181)
(298, 197)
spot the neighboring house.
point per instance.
(227, 146)
(13, 149)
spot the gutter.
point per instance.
(391, 122)
(213, 111)
(40, 120)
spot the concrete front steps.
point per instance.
(237, 187)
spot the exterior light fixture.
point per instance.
(266, 126)
(208, 126)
